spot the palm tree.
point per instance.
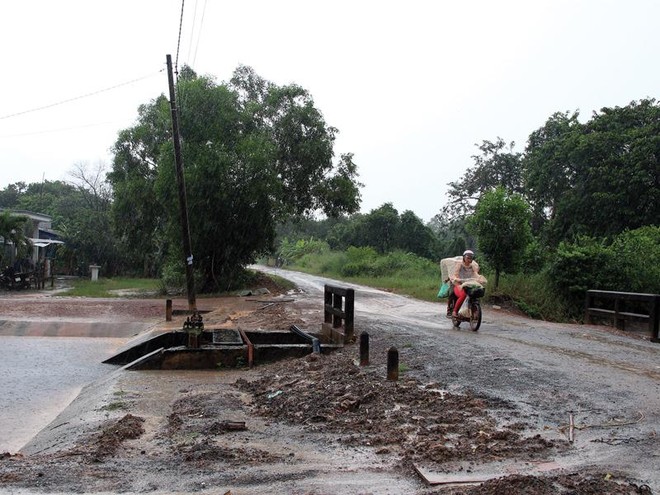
(12, 231)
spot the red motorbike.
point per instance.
(470, 310)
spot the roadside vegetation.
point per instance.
(420, 278)
(553, 291)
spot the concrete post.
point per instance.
(393, 364)
(364, 349)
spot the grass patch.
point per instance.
(114, 406)
(114, 287)
(531, 294)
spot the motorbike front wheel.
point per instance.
(475, 316)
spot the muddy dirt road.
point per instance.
(608, 382)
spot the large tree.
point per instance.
(497, 165)
(254, 153)
(550, 168)
(598, 178)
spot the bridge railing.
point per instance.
(622, 307)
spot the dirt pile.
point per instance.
(416, 422)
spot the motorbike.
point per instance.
(470, 311)
(11, 280)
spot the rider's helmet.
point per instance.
(469, 253)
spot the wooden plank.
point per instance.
(600, 311)
(636, 316)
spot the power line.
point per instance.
(80, 97)
(199, 34)
(51, 131)
(178, 43)
(192, 31)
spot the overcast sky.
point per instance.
(412, 85)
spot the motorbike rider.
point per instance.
(467, 269)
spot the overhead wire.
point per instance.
(178, 43)
(199, 34)
(51, 131)
(195, 31)
(192, 31)
(80, 97)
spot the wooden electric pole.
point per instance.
(183, 203)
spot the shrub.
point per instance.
(576, 268)
(637, 256)
(360, 261)
(290, 252)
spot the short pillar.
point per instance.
(94, 269)
(364, 349)
(393, 364)
(168, 310)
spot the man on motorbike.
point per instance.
(467, 269)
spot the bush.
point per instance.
(360, 261)
(576, 268)
(533, 294)
(290, 252)
(637, 254)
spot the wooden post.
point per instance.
(654, 319)
(183, 203)
(349, 310)
(336, 304)
(168, 310)
(327, 298)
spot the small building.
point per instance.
(43, 238)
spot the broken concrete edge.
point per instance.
(88, 410)
(488, 472)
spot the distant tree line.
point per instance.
(580, 204)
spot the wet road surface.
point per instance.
(609, 381)
(40, 376)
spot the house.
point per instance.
(42, 236)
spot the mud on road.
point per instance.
(315, 425)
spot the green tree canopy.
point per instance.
(501, 225)
(384, 230)
(254, 153)
(598, 178)
(496, 166)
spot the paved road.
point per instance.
(609, 382)
(47, 357)
(40, 376)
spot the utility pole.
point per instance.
(183, 203)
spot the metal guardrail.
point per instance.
(616, 306)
